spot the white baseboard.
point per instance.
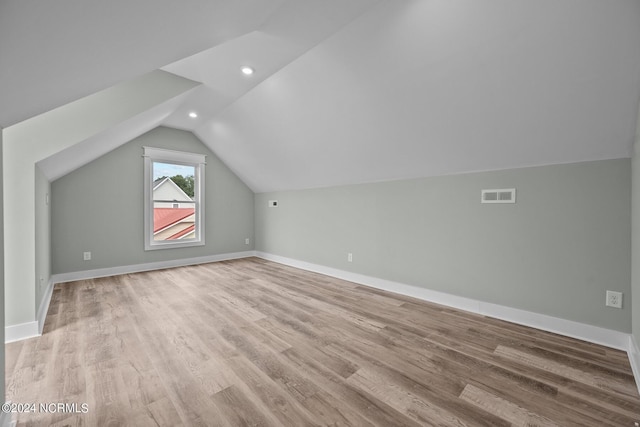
(595, 334)
(590, 333)
(137, 268)
(21, 331)
(634, 359)
(33, 329)
(6, 419)
(44, 306)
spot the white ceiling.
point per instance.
(55, 52)
(424, 88)
(353, 91)
(295, 28)
(71, 158)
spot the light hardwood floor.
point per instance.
(250, 342)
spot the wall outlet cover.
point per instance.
(614, 299)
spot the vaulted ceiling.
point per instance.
(344, 91)
(52, 53)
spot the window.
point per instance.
(173, 199)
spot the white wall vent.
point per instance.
(503, 195)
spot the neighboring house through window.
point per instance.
(174, 198)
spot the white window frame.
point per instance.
(198, 162)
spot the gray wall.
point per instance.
(43, 235)
(556, 251)
(2, 320)
(635, 227)
(99, 208)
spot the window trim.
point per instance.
(151, 155)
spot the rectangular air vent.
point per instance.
(503, 195)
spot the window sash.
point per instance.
(152, 155)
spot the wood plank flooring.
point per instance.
(254, 343)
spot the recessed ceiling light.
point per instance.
(247, 71)
(193, 114)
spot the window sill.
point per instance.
(171, 245)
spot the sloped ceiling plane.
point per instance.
(342, 91)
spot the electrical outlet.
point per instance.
(246, 241)
(350, 257)
(614, 299)
(86, 256)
